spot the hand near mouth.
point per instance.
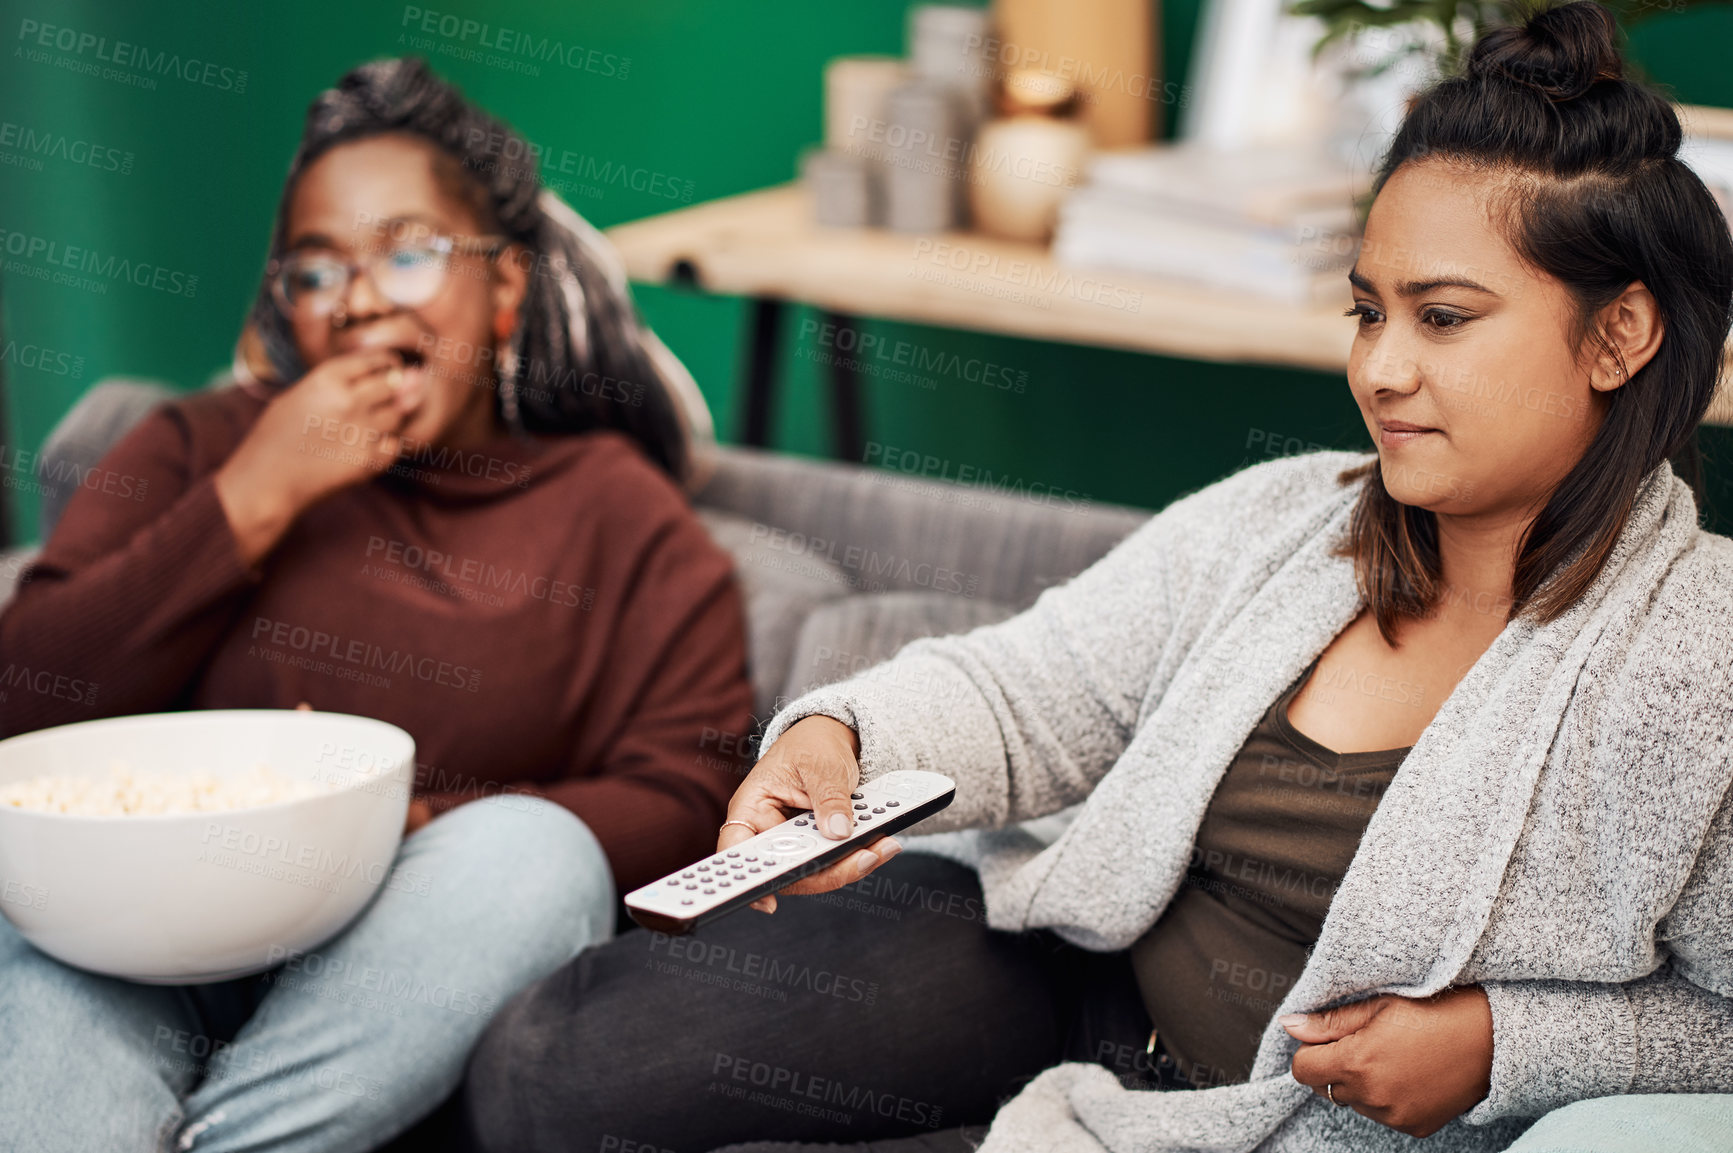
(339, 425)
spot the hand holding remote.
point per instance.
(814, 765)
(748, 870)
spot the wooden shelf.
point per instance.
(765, 244)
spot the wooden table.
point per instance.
(765, 246)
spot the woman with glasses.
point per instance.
(446, 494)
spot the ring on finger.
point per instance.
(742, 824)
(1330, 1092)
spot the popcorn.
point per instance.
(124, 793)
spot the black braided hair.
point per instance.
(577, 325)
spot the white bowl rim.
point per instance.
(185, 715)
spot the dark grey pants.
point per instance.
(884, 1017)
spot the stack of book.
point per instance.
(1270, 222)
(1711, 158)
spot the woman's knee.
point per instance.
(88, 1062)
(533, 864)
(520, 1079)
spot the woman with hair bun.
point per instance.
(1402, 781)
(447, 494)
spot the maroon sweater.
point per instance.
(540, 615)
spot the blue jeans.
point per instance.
(350, 1044)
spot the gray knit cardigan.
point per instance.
(1561, 833)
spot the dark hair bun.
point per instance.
(1561, 51)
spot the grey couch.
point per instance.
(841, 565)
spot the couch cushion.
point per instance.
(852, 635)
(780, 589)
(13, 562)
(891, 532)
(1634, 1123)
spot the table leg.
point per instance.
(762, 347)
(848, 437)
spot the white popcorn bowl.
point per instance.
(195, 897)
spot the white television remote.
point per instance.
(783, 854)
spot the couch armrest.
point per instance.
(85, 434)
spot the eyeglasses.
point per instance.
(314, 284)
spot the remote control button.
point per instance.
(855, 796)
(715, 860)
(790, 843)
(866, 816)
(800, 821)
(688, 874)
(724, 884)
(877, 809)
(769, 862)
(861, 805)
(752, 856)
(892, 804)
(733, 855)
(691, 884)
(742, 876)
(685, 900)
(703, 868)
(709, 892)
(673, 880)
(754, 869)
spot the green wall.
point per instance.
(716, 95)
